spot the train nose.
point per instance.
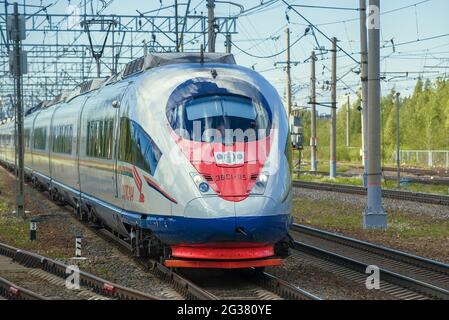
(257, 219)
(212, 220)
(262, 219)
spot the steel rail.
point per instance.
(98, 285)
(441, 172)
(387, 193)
(374, 248)
(265, 280)
(422, 264)
(11, 291)
(408, 179)
(188, 289)
(386, 275)
(284, 289)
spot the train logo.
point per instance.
(229, 158)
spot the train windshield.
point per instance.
(223, 119)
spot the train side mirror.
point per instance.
(116, 104)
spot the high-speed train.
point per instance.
(185, 156)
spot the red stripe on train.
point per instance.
(222, 253)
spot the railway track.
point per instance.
(263, 285)
(11, 291)
(48, 275)
(392, 194)
(402, 275)
(415, 171)
(231, 284)
(408, 179)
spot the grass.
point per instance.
(333, 215)
(103, 272)
(326, 179)
(322, 166)
(15, 231)
(418, 187)
(3, 206)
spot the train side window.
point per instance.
(100, 134)
(125, 141)
(62, 139)
(137, 147)
(27, 138)
(40, 138)
(109, 135)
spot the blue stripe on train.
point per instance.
(182, 230)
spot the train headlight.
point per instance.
(201, 184)
(263, 178)
(203, 187)
(261, 184)
(197, 179)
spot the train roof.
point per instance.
(162, 59)
(135, 67)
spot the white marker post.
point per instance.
(78, 256)
(33, 229)
(78, 246)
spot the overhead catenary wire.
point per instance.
(270, 56)
(317, 29)
(271, 47)
(382, 13)
(324, 7)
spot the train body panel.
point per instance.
(123, 153)
(64, 150)
(41, 145)
(28, 136)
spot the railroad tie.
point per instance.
(266, 295)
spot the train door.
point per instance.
(121, 108)
(97, 160)
(117, 104)
(78, 149)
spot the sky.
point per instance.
(262, 33)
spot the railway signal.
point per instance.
(16, 31)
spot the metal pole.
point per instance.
(348, 133)
(210, 22)
(289, 78)
(374, 216)
(83, 56)
(313, 139)
(114, 66)
(364, 79)
(228, 43)
(447, 161)
(333, 142)
(19, 115)
(398, 139)
(97, 60)
(145, 48)
(176, 26)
